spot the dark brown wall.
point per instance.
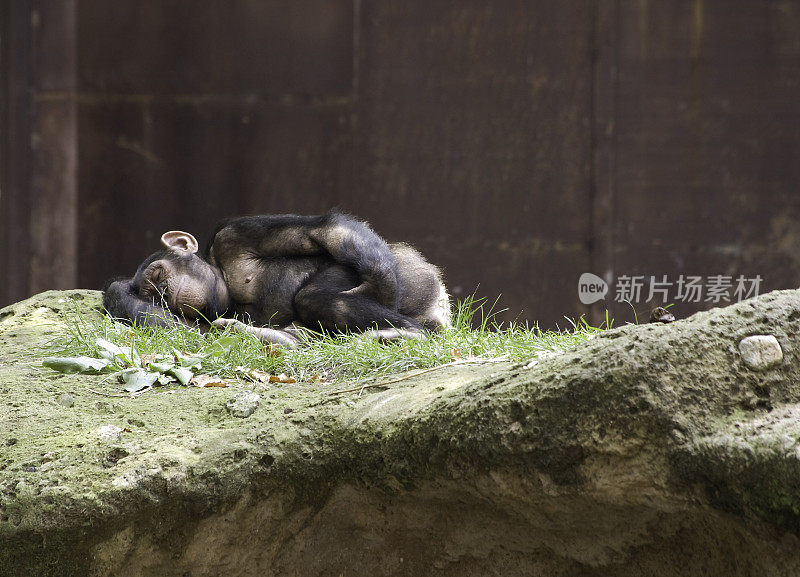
(707, 140)
(190, 112)
(517, 143)
(472, 117)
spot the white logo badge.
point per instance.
(591, 288)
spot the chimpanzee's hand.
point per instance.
(383, 290)
(353, 243)
(265, 334)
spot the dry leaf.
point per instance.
(272, 350)
(263, 377)
(319, 377)
(207, 381)
(254, 374)
(455, 353)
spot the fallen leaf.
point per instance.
(188, 360)
(183, 375)
(118, 355)
(160, 367)
(76, 364)
(207, 381)
(138, 379)
(455, 353)
(254, 374)
(262, 376)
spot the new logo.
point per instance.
(591, 288)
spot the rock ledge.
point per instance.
(652, 450)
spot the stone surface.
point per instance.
(243, 404)
(111, 432)
(650, 450)
(760, 352)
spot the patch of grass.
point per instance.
(333, 358)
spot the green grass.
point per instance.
(332, 358)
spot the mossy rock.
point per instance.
(650, 450)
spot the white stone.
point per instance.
(66, 400)
(760, 352)
(244, 404)
(110, 432)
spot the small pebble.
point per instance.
(66, 400)
(287, 410)
(760, 352)
(110, 432)
(243, 404)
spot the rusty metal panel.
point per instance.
(245, 47)
(14, 198)
(150, 167)
(53, 258)
(518, 144)
(53, 55)
(472, 125)
(707, 141)
(192, 111)
(54, 156)
(48, 259)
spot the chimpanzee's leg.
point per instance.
(348, 241)
(328, 301)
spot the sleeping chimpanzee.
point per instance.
(330, 272)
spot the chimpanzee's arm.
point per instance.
(122, 302)
(347, 240)
(266, 335)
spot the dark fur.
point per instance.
(283, 269)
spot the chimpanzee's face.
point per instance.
(186, 283)
(182, 280)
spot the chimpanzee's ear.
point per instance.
(179, 241)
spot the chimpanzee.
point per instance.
(329, 272)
